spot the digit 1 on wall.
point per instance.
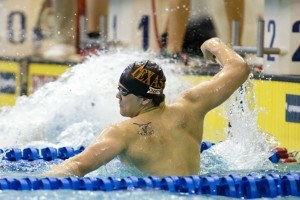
(144, 25)
(115, 31)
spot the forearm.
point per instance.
(69, 167)
(234, 73)
(109, 144)
(81, 164)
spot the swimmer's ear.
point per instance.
(145, 101)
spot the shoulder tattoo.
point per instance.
(144, 129)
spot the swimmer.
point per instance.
(160, 139)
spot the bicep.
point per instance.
(107, 146)
(208, 95)
(99, 154)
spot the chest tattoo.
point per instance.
(144, 129)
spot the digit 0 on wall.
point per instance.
(18, 19)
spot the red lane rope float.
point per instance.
(283, 155)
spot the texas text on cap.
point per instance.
(144, 78)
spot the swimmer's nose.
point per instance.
(118, 95)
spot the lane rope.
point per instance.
(280, 154)
(251, 186)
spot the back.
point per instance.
(164, 141)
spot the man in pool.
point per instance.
(160, 139)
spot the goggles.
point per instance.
(123, 91)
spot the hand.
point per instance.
(208, 48)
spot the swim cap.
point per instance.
(144, 78)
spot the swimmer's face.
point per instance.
(130, 105)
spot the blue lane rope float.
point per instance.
(47, 154)
(63, 153)
(250, 186)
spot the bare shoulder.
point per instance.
(123, 128)
(188, 100)
(116, 130)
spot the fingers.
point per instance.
(208, 46)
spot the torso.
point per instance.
(164, 141)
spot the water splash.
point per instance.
(73, 109)
(246, 148)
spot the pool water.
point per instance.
(134, 195)
(72, 110)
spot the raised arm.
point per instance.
(234, 73)
(108, 145)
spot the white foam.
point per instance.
(246, 146)
(73, 109)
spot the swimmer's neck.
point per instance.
(152, 108)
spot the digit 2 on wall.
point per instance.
(296, 29)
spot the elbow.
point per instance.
(244, 69)
(247, 70)
(239, 64)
